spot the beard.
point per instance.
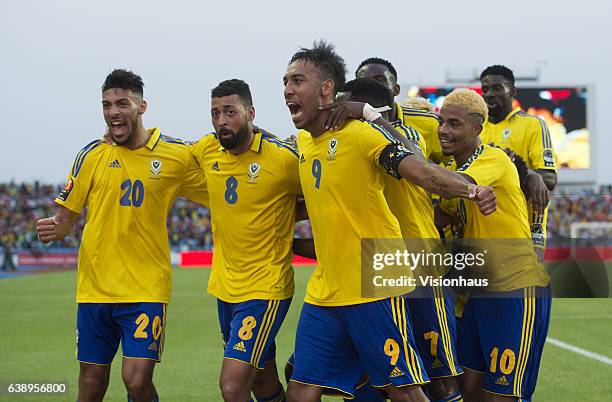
(235, 139)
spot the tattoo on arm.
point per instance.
(439, 187)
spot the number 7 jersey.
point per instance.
(124, 255)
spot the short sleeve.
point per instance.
(373, 140)
(413, 135)
(540, 148)
(80, 180)
(197, 148)
(194, 182)
(292, 171)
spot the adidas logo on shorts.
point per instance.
(396, 372)
(436, 363)
(153, 346)
(502, 381)
(240, 346)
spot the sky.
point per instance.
(56, 54)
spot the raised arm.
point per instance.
(407, 160)
(355, 110)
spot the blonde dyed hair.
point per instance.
(468, 100)
(419, 103)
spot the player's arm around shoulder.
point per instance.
(292, 170)
(199, 148)
(194, 185)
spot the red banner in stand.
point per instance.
(26, 259)
(194, 259)
(197, 259)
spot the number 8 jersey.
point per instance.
(252, 204)
(124, 255)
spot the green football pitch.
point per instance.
(37, 341)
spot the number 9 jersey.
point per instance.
(124, 255)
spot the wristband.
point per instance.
(370, 113)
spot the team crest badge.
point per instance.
(253, 171)
(156, 166)
(331, 151)
(507, 133)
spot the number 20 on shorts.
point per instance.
(143, 322)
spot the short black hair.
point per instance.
(378, 60)
(498, 69)
(330, 65)
(234, 87)
(370, 91)
(124, 79)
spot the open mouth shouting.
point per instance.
(296, 110)
(118, 129)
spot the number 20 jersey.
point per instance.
(124, 255)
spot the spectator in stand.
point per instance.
(577, 206)
(21, 205)
(8, 243)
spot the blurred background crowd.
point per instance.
(189, 224)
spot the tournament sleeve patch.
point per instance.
(549, 160)
(391, 156)
(63, 195)
(537, 235)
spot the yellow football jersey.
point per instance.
(413, 208)
(511, 262)
(426, 124)
(409, 203)
(252, 203)
(124, 255)
(528, 136)
(343, 185)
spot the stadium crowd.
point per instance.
(189, 225)
(570, 205)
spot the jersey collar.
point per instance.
(154, 139)
(400, 112)
(512, 113)
(255, 145)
